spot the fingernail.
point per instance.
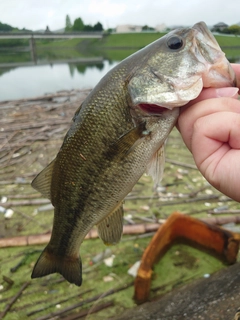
(227, 92)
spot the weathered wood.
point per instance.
(44, 238)
(214, 298)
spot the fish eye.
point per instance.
(175, 43)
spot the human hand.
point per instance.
(210, 128)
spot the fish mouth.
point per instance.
(152, 109)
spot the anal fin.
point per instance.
(110, 229)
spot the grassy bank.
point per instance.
(112, 47)
(127, 40)
(119, 46)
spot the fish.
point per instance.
(117, 134)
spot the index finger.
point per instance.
(201, 109)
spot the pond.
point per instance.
(22, 78)
(35, 80)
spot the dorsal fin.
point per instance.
(156, 165)
(42, 181)
(110, 229)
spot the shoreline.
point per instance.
(77, 93)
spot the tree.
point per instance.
(98, 27)
(147, 28)
(234, 29)
(78, 25)
(5, 27)
(88, 27)
(68, 26)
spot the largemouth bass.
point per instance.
(117, 134)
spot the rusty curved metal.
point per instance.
(179, 226)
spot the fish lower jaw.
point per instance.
(154, 110)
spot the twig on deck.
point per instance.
(84, 313)
(13, 300)
(79, 304)
(43, 308)
(224, 212)
(181, 164)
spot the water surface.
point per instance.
(31, 81)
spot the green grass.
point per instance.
(134, 40)
(117, 55)
(14, 42)
(119, 46)
(228, 41)
(9, 57)
(55, 54)
(59, 43)
(179, 265)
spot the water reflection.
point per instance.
(25, 82)
(81, 68)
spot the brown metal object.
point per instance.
(237, 315)
(178, 226)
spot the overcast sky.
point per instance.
(37, 14)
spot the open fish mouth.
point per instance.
(152, 109)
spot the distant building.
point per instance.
(160, 27)
(128, 28)
(220, 26)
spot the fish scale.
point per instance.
(117, 134)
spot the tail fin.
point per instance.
(69, 267)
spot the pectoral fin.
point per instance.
(129, 141)
(42, 181)
(110, 229)
(156, 165)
